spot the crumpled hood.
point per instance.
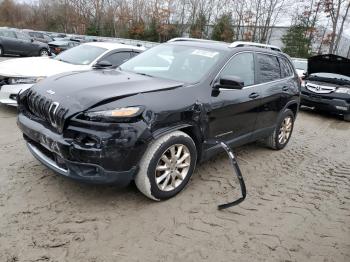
(36, 67)
(329, 64)
(79, 91)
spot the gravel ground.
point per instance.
(5, 58)
(297, 208)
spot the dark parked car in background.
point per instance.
(38, 36)
(149, 119)
(59, 46)
(14, 42)
(326, 85)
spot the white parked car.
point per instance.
(300, 65)
(17, 75)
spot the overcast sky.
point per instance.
(286, 21)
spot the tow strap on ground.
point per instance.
(236, 169)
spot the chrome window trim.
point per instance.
(246, 87)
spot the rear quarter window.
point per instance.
(286, 68)
(268, 68)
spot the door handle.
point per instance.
(254, 95)
(285, 88)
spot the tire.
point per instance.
(44, 52)
(347, 117)
(274, 141)
(1, 51)
(145, 179)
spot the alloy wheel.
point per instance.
(44, 53)
(173, 167)
(285, 130)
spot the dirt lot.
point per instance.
(297, 209)
(4, 58)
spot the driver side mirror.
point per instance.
(103, 64)
(230, 82)
(32, 40)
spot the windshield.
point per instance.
(81, 55)
(301, 65)
(331, 76)
(181, 63)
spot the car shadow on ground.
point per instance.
(321, 113)
(7, 111)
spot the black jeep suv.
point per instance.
(326, 85)
(149, 120)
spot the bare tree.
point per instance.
(338, 11)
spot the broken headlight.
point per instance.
(113, 115)
(343, 90)
(24, 80)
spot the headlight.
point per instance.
(24, 80)
(343, 90)
(114, 114)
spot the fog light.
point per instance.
(344, 108)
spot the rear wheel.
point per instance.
(283, 131)
(167, 166)
(44, 52)
(1, 51)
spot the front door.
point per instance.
(234, 111)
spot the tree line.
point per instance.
(160, 20)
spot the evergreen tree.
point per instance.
(296, 43)
(223, 29)
(198, 27)
(151, 32)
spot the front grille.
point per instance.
(46, 109)
(320, 89)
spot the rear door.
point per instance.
(271, 87)
(234, 112)
(10, 42)
(26, 45)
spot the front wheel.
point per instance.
(167, 166)
(283, 131)
(44, 52)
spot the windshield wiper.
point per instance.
(61, 60)
(143, 74)
(345, 80)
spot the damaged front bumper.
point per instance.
(95, 154)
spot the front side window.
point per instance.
(81, 55)
(23, 37)
(242, 66)
(175, 62)
(269, 68)
(117, 59)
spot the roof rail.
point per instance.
(243, 43)
(179, 39)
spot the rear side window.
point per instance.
(286, 69)
(269, 68)
(9, 34)
(242, 66)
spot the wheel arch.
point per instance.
(189, 129)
